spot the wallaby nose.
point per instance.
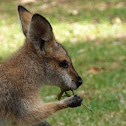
(79, 81)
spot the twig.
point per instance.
(86, 107)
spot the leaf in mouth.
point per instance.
(67, 95)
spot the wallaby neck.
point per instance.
(27, 62)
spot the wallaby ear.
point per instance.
(25, 18)
(40, 33)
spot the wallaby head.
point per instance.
(58, 69)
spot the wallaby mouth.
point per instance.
(77, 84)
(74, 85)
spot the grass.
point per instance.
(93, 32)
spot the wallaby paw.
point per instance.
(73, 101)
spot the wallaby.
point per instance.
(41, 60)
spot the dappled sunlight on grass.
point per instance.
(76, 32)
(64, 32)
(13, 40)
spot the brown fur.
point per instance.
(35, 64)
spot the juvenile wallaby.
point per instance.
(40, 61)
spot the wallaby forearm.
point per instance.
(38, 114)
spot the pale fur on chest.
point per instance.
(7, 122)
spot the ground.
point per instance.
(94, 34)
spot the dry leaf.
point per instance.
(95, 70)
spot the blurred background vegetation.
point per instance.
(94, 34)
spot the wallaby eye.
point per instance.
(63, 64)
